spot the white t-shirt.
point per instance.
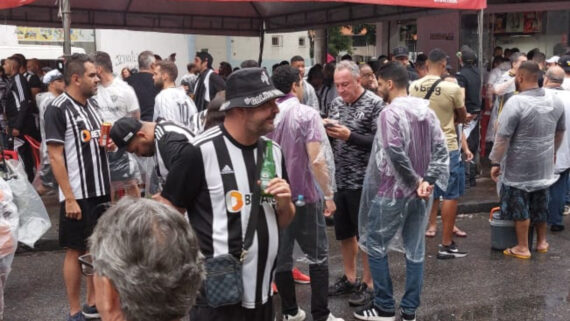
(566, 83)
(116, 100)
(173, 104)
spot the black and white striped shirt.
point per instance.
(78, 128)
(169, 139)
(214, 179)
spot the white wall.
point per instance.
(124, 47)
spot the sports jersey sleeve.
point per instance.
(458, 98)
(185, 178)
(170, 147)
(131, 99)
(54, 125)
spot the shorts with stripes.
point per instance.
(73, 234)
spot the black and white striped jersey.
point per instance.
(169, 139)
(214, 179)
(77, 127)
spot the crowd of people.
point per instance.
(377, 149)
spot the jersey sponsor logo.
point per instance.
(235, 201)
(87, 135)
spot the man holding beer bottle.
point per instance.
(79, 164)
(216, 178)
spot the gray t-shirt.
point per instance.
(529, 121)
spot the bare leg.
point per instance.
(432, 225)
(366, 275)
(349, 251)
(72, 279)
(541, 243)
(521, 227)
(448, 215)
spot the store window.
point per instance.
(277, 41)
(301, 42)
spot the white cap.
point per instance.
(553, 60)
(51, 76)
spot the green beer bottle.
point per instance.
(267, 168)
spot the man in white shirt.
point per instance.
(116, 99)
(171, 103)
(309, 95)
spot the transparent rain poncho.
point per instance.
(310, 168)
(9, 219)
(524, 143)
(409, 147)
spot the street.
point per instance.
(484, 286)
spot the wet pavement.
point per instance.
(484, 286)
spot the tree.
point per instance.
(337, 42)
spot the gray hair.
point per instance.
(151, 255)
(350, 66)
(146, 59)
(555, 74)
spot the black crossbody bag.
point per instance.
(432, 88)
(223, 285)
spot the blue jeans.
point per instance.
(385, 219)
(558, 192)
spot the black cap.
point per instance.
(564, 62)
(249, 87)
(124, 130)
(400, 52)
(468, 55)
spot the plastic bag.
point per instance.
(9, 218)
(408, 147)
(34, 219)
(310, 164)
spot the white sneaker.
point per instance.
(333, 318)
(300, 316)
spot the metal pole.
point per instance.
(66, 18)
(261, 43)
(480, 36)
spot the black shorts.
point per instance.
(233, 312)
(520, 205)
(73, 234)
(346, 215)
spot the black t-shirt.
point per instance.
(146, 91)
(468, 78)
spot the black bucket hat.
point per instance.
(249, 87)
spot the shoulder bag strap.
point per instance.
(255, 203)
(432, 88)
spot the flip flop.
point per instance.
(508, 252)
(430, 233)
(458, 232)
(545, 250)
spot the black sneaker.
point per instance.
(343, 286)
(362, 296)
(372, 313)
(407, 317)
(450, 252)
(556, 228)
(90, 312)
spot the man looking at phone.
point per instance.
(352, 125)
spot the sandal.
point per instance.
(431, 233)
(508, 252)
(458, 232)
(544, 250)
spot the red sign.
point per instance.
(7, 4)
(443, 4)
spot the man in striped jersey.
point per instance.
(80, 166)
(163, 140)
(213, 179)
(171, 103)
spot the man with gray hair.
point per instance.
(553, 84)
(351, 124)
(144, 86)
(144, 240)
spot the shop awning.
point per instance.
(227, 17)
(6, 4)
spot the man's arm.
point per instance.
(57, 161)
(501, 89)
(439, 160)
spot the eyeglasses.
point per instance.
(86, 263)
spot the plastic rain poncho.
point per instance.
(9, 220)
(309, 162)
(409, 147)
(524, 143)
